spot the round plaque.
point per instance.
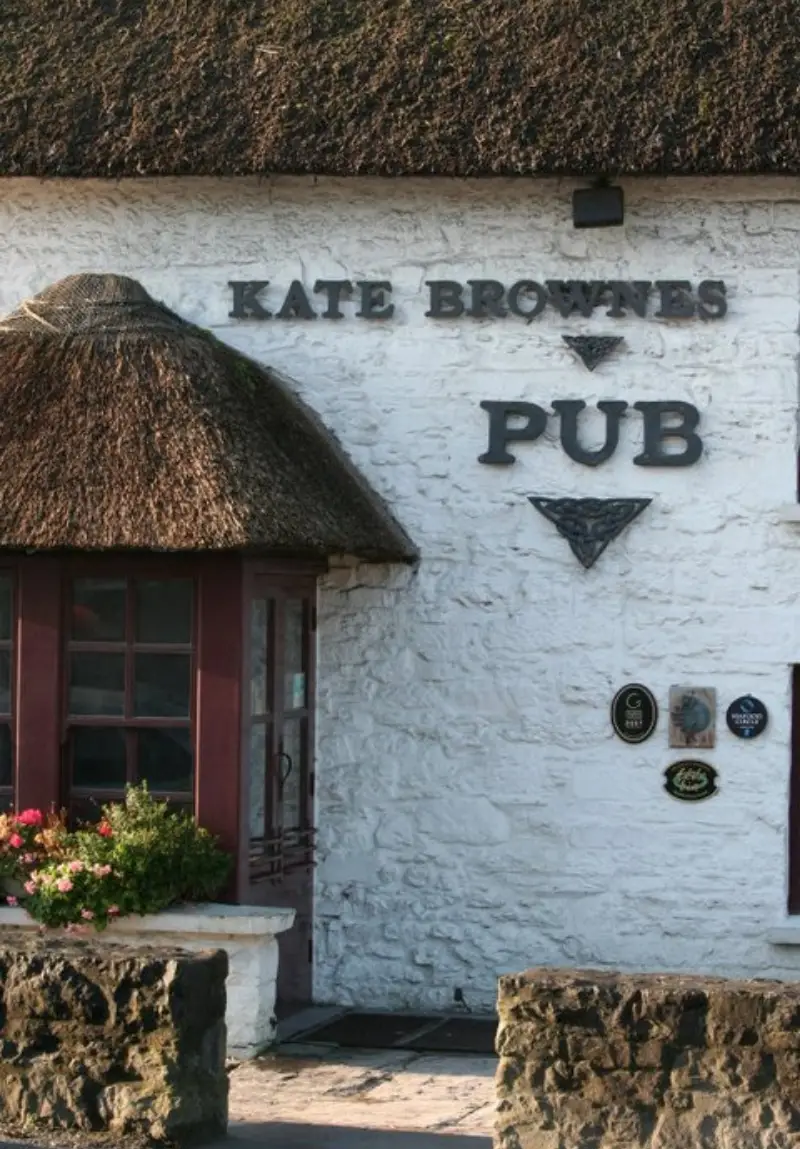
(634, 713)
(690, 781)
(747, 717)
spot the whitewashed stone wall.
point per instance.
(476, 813)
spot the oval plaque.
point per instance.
(634, 713)
(747, 717)
(690, 781)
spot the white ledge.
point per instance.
(207, 919)
(789, 513)
(787, 934)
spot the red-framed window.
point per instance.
(7, 691)
(279, 724)
(129, 687)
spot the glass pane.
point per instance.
(165, 759)
(161, 685)
(5, 681)
(84, 810)
(98, 757)
(292, 770)
(294, 697)
(164, 610)
(98, 609)
(259, 625)
(96, 683)
(258, 780)
(6, 756)
(5, 607)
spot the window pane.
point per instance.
(258, 780)
(165, 759)
(83, 809)
(5, 608)
(6, 756)
(96, 683)
(291, 778)
(5, 681)
(98, 758)
(161, 685)
(98, 609)
(259, 624)
(294, 666)
(164, 610)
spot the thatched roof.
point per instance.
(123, 426)
(398, 87)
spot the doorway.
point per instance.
(278, 754)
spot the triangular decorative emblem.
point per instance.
(592, 349)
(589, 525)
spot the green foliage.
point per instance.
(142, 858)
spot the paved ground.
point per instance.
(318, 1098)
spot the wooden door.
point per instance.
(278, 759)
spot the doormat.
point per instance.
(419, 1032)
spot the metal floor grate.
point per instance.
(418, 1032)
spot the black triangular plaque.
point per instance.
(592, 349)
(589, 525)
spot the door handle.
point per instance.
(287, 766)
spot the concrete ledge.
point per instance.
(248, 934)
(787, 934)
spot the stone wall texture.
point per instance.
(605, 1061)
(476, 812)
(99, 1039)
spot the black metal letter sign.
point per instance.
(747, 717)
(634, 713)
(690, 781)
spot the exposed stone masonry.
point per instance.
(112, 1040)
(601, 1060)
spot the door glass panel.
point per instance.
(6, 756)
(294, 664)
(292, 776)
(165, 759)
(5, 681)
(98, 609)
(259, 633)
(258, 779)
(96, 683)
(164, 610)
(161, 685)
(5, 608)
(98, 757)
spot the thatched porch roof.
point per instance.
(398, 87)
(122, 426)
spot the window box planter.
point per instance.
(249, 935)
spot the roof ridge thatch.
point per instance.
(399, 87)
(123, 426)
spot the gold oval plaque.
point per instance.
(690, 781)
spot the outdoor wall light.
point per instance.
(598, 206)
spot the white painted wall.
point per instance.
(476, 813)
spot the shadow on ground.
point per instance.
(276, 1135)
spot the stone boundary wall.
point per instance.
(613, 1061)
(106, 1039)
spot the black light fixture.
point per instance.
(598, 206)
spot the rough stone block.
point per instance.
(98, 1038)
(606, 1060)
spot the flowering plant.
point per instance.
(140, 858)
(26, 839)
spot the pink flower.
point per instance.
(101, 871)
(75, 867)
(63, 885)
(112, 911)
(30, 818)
(105, 830)
(15, 841)
(87, 915)
(29, 859)
(30, 887)
(11, 900)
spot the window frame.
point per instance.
(132, 571)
